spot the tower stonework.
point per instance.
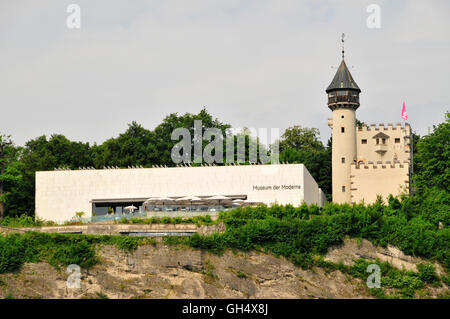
(368, 161)
(343, 100)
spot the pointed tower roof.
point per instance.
(343, 79)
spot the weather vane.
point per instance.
(342, 39)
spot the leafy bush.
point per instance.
(24, 221)
(16, 249)
(294, 232)
(59, 249)
(297, 233)
(405, 283)
(427, 273)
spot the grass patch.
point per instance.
(24, 221)
(101, 295)
(197, 220)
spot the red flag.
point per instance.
(404, 115)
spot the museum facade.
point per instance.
(60, 194)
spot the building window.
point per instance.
(342, 159)
(363, 141)
(378, 141)
(383, 140)
(343, 189)
(342, 129)
(397, 140)
(342, 116)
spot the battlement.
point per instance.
(383, 127)
(380, 165)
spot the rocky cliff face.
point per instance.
(171, 272)
(163, 271)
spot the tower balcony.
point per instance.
(343, 98)
(343, 101)
(381, 148)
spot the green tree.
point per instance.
(140, 146)
(163, 132)
(136, 146)
(433, 159)
(359, 124)
(415, 140)
(40, 154)
(303, 146)
(254, 149)
(318, 164)
(9, 172)
(298, 137)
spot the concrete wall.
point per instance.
(322, 198)
(59, 194)
(383, 179)
(118, 229)
(311, 194)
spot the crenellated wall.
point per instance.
(396, 148)
(378, 178)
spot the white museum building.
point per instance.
(181, 191)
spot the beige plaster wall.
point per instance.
(368, 181)
(344, 146)
(400, 151)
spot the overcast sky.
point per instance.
(251, 63)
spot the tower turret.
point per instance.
(343, 100)
(343, 92)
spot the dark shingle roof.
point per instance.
(381, 135)
(343, 79)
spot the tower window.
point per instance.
(342, 159)
(363, 141)
(342, 129)
(343, 189)
(383, 140)
(397, 140)
(342, 116)
(378, 141)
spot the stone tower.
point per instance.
(343, 100)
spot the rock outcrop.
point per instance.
(172, 272)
